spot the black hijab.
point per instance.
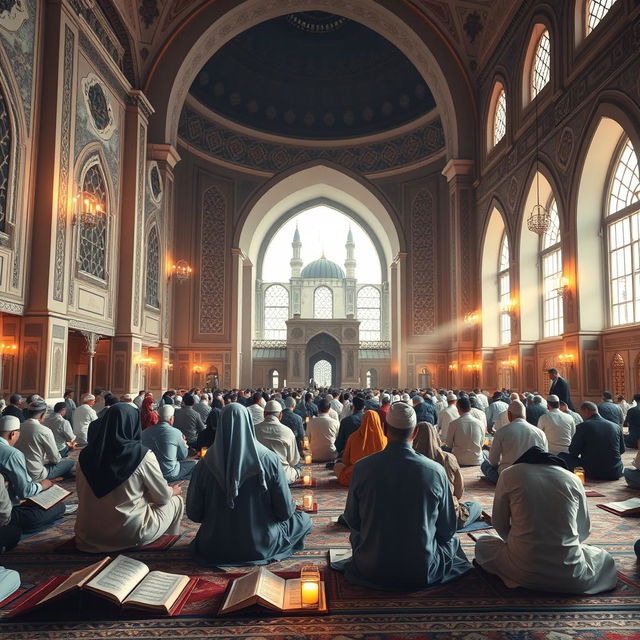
(207, 437)
(536, 455)
(114, 450)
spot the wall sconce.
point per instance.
(566, 358)
(509, 363)
(473, 366)
(471, 317)
(453, 366)
(145, 361)
(563, 289)
(509, 307)
(8, 350)
(181, 270)
(169, 366)
(87, 210)
(197, 369)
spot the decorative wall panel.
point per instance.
(422, 264)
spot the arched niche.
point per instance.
(490, 255)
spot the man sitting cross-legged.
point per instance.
(401, 514)
(540, 512)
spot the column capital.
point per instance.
(457, 167)
(137, 100)
(166, 153)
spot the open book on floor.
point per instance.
(49, 497)
(264, 588)
(630, 507)
(125, 581)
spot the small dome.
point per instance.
(323, 269)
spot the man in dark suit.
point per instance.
(632, 421)
(560, 388)
(597, 445)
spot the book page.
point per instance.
(158, 589)
(120, 578)
(47, 498)
(242, 589)
(338, 555)
(271, 588)
(76, 579)
(627, 505)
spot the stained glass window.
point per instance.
(153, 270)
(504, 291)
(596, 11)
(5, 160)
(323, 303)
(276, 312)
(322, 373)
(623, 234)
(500, 118)
(368, 312)
(93, 239)
(541, 72)
(551, 263)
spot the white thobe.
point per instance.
(256, 412)
(483, 401)
(83, 416)
(512, 441)
(445, 417)
(480, 415)
(465, 437)
(281, 440)
(322, 432)
(559, 428)
(39, 447)
(541, 514)
(346, 410)
(502, 420)
(135, 513)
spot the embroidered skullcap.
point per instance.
(401, 416)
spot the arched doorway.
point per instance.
(323, 373)
(323, 359)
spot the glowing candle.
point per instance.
(307, 502)
(305, 442)
(307, 459)
(203, 452)
(579, 471)
(310, 587)
(306, 480)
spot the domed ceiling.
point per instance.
(313, 75)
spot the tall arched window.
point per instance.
(5, 160)
(92, 246)
(368, 312)
(623, 235)
(504, 291)
(596, 10)
(541, 67)
(276, 312)
(500, 117)
(551, 273)
(275, 379)
(153, 270)
(323, 303)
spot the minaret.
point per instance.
(296, 261)
(350, 262)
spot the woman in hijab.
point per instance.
(123, 500)
(239, 494)
(148, 416)
(427, 442)
(207, 436)
(369, 438)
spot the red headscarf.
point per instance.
(148, 417)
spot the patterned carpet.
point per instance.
(477, 607)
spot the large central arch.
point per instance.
(216, 23)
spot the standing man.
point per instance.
(70, 404)
(559, 387)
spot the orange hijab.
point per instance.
(368, 439)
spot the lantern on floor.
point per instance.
(310, 587)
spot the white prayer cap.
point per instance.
(9, 423)
(88, 396)
(405, 397)
(553, 398)
(451, 397)
(273, 406)
(125, 397)
(401, 416)
(385, 396)
(166, 412)
(177, 399)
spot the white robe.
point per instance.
(541, 514)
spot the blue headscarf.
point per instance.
(234, 456)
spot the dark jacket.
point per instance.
(633, 422)
(534, 411)
(347, 426)
(12, 410)
(294, 422)
(599, 445)
(560, 388)
(190, 423)
(611, 411)
(426, 412)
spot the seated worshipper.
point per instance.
(349, 424)
(428, 444)
(13, 467)
(239, 494)
(256, 408)
(632, 422)
(465, 436)
(9, 538)
(425, 411)
(502, 419)
(535, 409)
(477, 411)
(577, 418)
(38, 445)
(510, 442)
(292, 420)
(61, 428)
(138, 400)
(123, 499)
(401, 514)
(597, 446)
(272, 434)
(109, 401)
(188, 421)
(559, 427)
(148, 417)
(448, 415)
(540, 512)
(169, 446)
(632, 474)
(385, 404)
(322, 431)
(368, 439)
(206, 437)
(15, 407)
(609, 410)
(203, 407)
(83, 416)
(496, 407)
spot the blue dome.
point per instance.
(322, 269)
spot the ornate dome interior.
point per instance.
(313, 75)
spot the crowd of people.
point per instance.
(400, 453)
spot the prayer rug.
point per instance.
(162, 543)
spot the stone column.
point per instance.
(91, 339)
(237, 307)
(398, 319)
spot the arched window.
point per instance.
(5, 160)
(92, 246)
(551, 273)
(323, 303)
(276, 312)
(504, 291)
(323, 373)
(596, 10)
(500, 117)
(275, 379)
(153, 270)
(623, 235)
(541, 66)
(368, 380)
(368, 312)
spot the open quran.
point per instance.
(630, 507)
(49, 497)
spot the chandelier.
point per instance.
(181, 270)
(87, 210)
(539, 219)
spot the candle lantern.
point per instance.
(203, 452)
(307, 501)
(305, 442)
(579, 471)
(307, 459)
(310, 587)
(306, 477)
